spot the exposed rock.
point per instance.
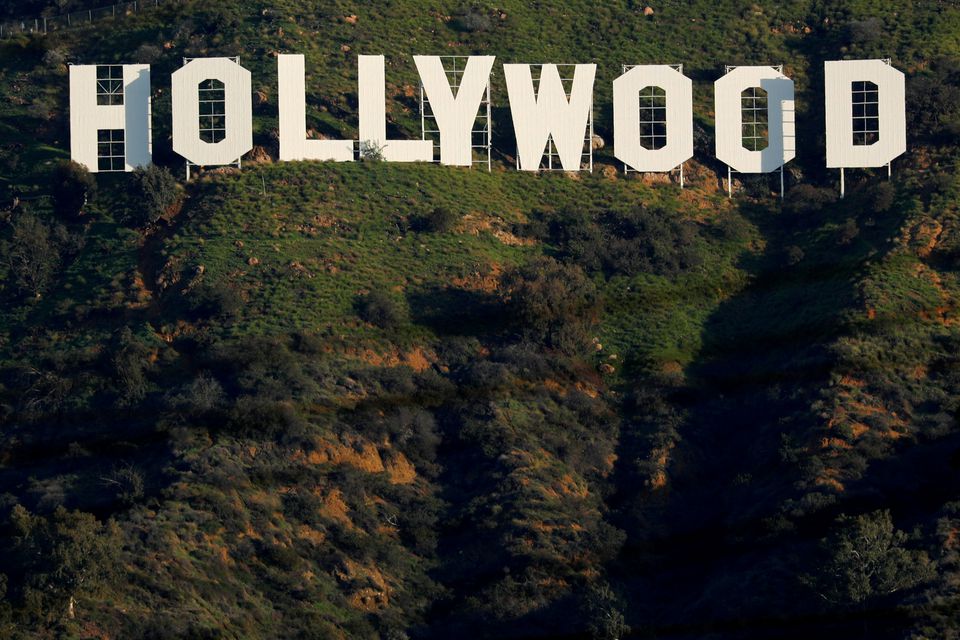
(260, 98)
(658, 177)
(259, 155)
(596, 142)
(648, 11)
(351, 19)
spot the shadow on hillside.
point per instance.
(453, 311)
(714, 535)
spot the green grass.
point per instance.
(322, 234)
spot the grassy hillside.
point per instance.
(316, 400)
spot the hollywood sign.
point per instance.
(212, 121)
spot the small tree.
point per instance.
(603, 615)
(153, 191)
(73, 186)
(131, 360)
(865, 558)
(62, 557)
(32, 253)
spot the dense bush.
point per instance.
(806, 201)
(867, 558)
(153, 191)
(640, 240)
(33, 252)
(552, 303)
(933, 102)
(474, 19)
(440, 220)
(73, 187)
(214, 300)
(379, 308)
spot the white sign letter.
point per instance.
(235, 108)
(866, 123)
(755, 104)
(666, 139)
(294, 144)
(110, 116)
(537, 117)
(373, 116)
(456, 115)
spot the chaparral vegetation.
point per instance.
(382, 401)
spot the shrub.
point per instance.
(130, 364)
(153, 190)
(370, 151)
(474, 20)
(254, 416)
(73, 186)
(933, 102)
(440, 220)
(806, 199)
(55, 57)
(63, 556)
(147, 53)
(216, 300)
(551, 303)
(33, 253)
(127, 484)
(640, 240)
(865, 32)
(848, 231)
(203, 395)
(882, 197)
(602, 610)
(865, 558)
(379, 309)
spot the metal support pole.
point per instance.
(681, 175)
(890, 170)
(423, 123)
(489, 130)
(781, 183)
(729, 183)
(843, 187)
(590, 142)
